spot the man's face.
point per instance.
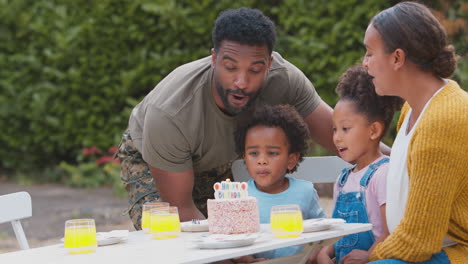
(239, 72)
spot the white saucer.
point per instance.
(109, 241)
(320, 224)
(109, 238)
(191, 227)
(112, 237)
(224, 241)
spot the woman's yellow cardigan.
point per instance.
(437, 164)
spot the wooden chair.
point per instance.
(314, 169)
(13, 208)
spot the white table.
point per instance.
(141, 248)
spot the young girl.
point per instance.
(272, 144)
(360, 120)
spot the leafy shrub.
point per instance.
(71, 71)
(94, 168)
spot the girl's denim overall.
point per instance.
(351, 206)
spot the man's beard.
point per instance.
(232, 110)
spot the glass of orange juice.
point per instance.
(80, 236)
(164, 222)
(145, 215)
(286, 221)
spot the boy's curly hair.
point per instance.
(356, 85)
(284, 117)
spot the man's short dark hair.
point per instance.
(245, 26)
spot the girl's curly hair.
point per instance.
(356, 85)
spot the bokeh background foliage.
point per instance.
(71, 71)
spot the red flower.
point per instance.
(91, 151)
(104, 159)
(112, 150)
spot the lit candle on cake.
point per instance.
(230, 190)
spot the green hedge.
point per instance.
(71, 71)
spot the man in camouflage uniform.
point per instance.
(141, 188)
(180, 138)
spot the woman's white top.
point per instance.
(397, 178)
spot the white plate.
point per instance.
(191, 227)
(109, 241)
(224, 241)
(112, 237)
(320, 224)
(109, 238)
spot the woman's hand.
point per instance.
(356, 257)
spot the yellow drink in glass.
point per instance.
(145, 220)
(286, 221)
(165, 224)
(145, 215)
(80, 236)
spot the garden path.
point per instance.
(53, 204)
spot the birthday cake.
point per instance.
(232, 211)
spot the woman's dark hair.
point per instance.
(413, 28)
(245, 26)
(356, 85)
(284, 117)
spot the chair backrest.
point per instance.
(315, 169)
(13, 208)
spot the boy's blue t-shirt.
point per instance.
(299, 192)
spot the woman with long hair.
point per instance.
(407, 55)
